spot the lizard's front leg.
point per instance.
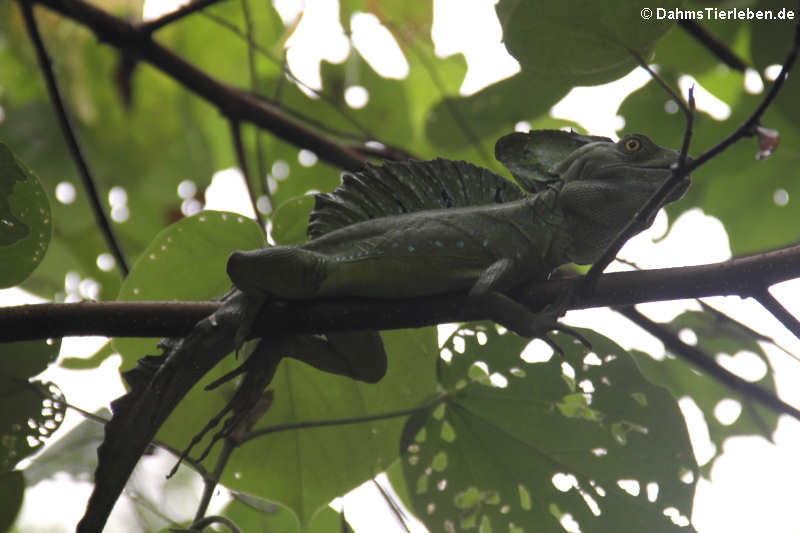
(488, 292)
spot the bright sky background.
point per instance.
(753, 484)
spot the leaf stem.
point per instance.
(343, 421)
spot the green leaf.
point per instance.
(306, 468)
(162, 122)
(32, 412)
(458, 122)
(25, 221)
(577, 42)
(25, 359)
(718, 338)
(550, 439)
(186, 261)
(85, 363)
(251, 513)
(12, 491)
(290, 220)
(73, 454)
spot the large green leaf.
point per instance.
(186, 261)
(305, 468)
(580, 43)
(527, 444)
(25, 222)
(559, 45)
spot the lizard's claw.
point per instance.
(564, 329)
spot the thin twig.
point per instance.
(397, 511)
(333, 102)
(713, 44)
(643, 214)
(236, 133)
(210, 483)
(747, 128)
(203, 523)
(706, 363)
(661, 81)
(233, 103)
(771, 304)
(683, 170)
(153, 25)
(71, 138)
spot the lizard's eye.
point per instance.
(633, 145)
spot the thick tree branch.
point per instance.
(232, 102)
(71, 138)
(174, 319)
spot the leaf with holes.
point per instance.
(733, 345)
(38, 410)
(31, 411)
(531, 446)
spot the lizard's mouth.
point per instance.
(658, 172)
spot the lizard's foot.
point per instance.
(519, 319)
(545, 322)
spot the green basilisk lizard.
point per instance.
(583, 201)
(399, 231)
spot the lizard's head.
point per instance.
(633, 164)
(606, 183)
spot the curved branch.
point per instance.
(175, 319)
(234, 103)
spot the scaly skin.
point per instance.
(485, 249)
